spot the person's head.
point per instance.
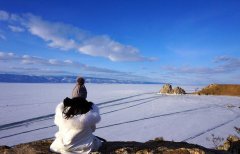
(80, 80)
(75, 106)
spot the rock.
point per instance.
(155, 147)
(235, 147)
(36, 147)
(179, 91)
(233, 138)
(145, 151)
(150, 147)
(166, 89)
(230, 143)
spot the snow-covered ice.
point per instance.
(129, 112)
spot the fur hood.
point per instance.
(75, 134)
(79, 121)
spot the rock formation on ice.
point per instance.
(167, 89)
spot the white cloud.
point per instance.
(104, 46)
(4, 15)
(56, 34)
(2, 37)
(36, 71)
(9, 55)
(27, 64)
(67, 37)
(226, 64)
(193, 70)
(28, 60)
(16, 28)
(54, 61)
(68, 61)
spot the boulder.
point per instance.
(166, 89)
(231, 144)
(179, 91)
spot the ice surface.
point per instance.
(129, 112)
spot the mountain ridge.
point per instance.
(17, 78)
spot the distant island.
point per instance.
(16, 78)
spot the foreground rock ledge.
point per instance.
(150, 147)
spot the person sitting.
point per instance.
(80, 90)
(76, 119)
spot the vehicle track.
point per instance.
(129, 102)
(26, 122)
(115, 100)
(116, 124)
(129, 106)
(29, 104)
(156, 116)
(210, 129)
(50, 116)
(23, 105)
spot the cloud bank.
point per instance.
(15, 28)
(225, 64)
(67, 37)
(28, 60)
(33, 65)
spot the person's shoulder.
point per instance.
(82, 87)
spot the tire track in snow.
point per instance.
(116, 124)
(115, 100)
(50, 116)
(26, 122)
(156, 116)
(210, 129)
(54, 125)
(128, 102)
(23, 105)
(29, 104)
(7, 136)
(129, 106)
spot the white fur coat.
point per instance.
(75, 134)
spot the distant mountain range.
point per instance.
(15, 78)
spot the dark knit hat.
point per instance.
(80, 80)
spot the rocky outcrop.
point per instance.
(220, 89)
(232, 144)
(36, 147)
(150, 147)
(154, 147)
(179, 90)
(167, 89)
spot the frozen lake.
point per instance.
(129, 112)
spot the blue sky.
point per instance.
(177, 41)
